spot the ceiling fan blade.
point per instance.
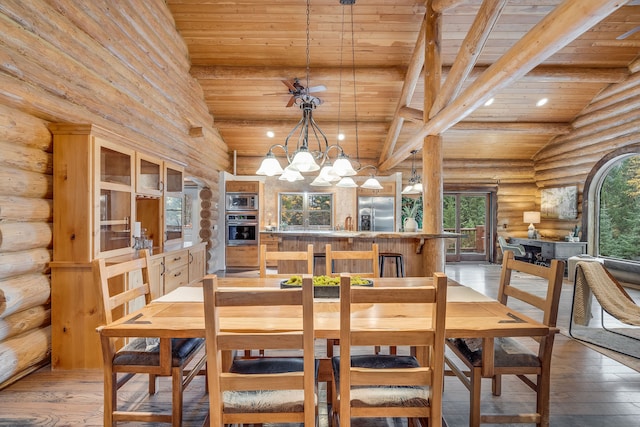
(289, 85)
(628, 33)
(318, 88)
(292, 100)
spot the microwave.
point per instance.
(242, 202)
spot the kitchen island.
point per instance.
(410, 244)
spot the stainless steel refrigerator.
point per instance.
(376, 213)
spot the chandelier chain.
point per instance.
(308, 39)
(353, 70)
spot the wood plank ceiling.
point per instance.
(242, 50)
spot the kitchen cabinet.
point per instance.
(176, 270)
(242, 256)
(242, 186)
(197, 262)
(180, 267)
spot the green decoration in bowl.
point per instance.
(325, 286)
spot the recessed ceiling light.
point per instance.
(270, 134)
(489, 102)
(542, 102)
(341, 137)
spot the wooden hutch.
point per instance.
(102, 186)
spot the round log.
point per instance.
(23, 129)
(25, 209)
(20, 236)
(21, 352)
(206, 193)
(23, 321)
(25, 158)
(31, 261)
(23, 292)
(15, 182)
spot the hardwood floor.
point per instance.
(589, 388)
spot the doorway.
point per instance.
(467, 213)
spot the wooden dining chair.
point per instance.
(370, 385)
(265, 389)
(123, 287)
(299, 257)
(361, 263)
(511, 356)
(354, 262)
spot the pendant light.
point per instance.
(415, 183)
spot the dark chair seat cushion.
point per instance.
(508, 352)
(396, 396)
(139, 352)
(270, 365)
(266, 400)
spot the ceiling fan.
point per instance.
(297, 91)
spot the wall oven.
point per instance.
(242, 202)
(242, 229)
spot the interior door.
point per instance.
(467, 214)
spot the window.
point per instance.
(618, 215)
(299, 211)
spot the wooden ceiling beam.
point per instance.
(544, 128)
(279, 73)
(542, 73)
(563, 25)
(408, 88)
(469, 52)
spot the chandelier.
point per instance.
(311, 144)
(415, 183)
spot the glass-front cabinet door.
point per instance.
(173, 204)
(173, 179)
(115, 197)
(149, 175)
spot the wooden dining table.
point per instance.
(470, 314)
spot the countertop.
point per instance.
(360, 234)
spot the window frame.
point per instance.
(599, 178)
(306, 223)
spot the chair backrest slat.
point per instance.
(293, 256)
(356, 257)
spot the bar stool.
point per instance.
(398, 260)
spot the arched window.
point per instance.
(616, 208)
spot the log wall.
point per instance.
(25, 243)
(608, 124)
(84, 62)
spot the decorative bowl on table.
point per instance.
(324, 286)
